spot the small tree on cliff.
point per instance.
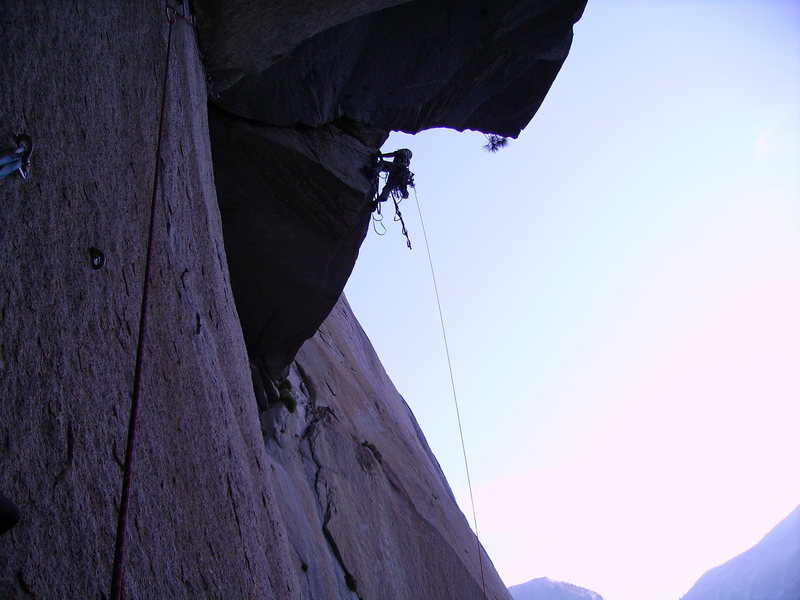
(494, 142)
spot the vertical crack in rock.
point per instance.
(319, 415)
(238, 522)
(24, 585)
(70, 444)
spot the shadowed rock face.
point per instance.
(296, 203)
(307, 94)
(423, 64)
(248, 35)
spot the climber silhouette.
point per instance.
(400, 177)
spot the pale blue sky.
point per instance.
(621, 289)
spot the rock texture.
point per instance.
(85, 82)
(308, 92)
(296, 204)
(366, 506)
(420, 64)
(544, 588)
(770, 570)
(234, 496)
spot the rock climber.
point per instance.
(17, 159)
(9, 514)
(400, 177)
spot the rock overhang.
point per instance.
(303, 96)
(408, 67)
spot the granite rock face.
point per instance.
(366, 506)
(84, 80)
(334, 79)
(249, 35)
(417, 65)
(234, 496)
(296, 203)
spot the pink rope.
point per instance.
(127, 473)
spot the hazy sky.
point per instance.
(621, 290)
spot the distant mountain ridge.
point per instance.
(770, 570)
(544, 588)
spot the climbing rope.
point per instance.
(127, 472)
(455, 395)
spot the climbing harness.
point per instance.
(455, 396)
(17, 159)
(127, 472)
